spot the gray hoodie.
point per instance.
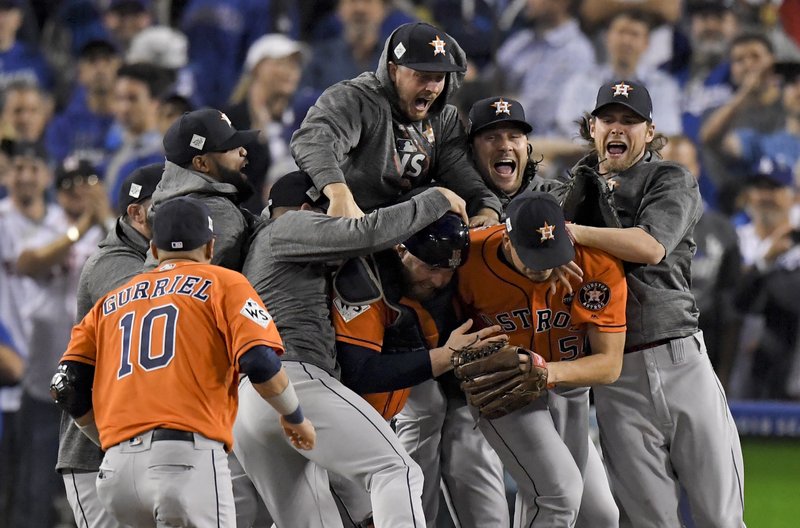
(348, 137)
(232, 225)
(120, 256)
(287, 266)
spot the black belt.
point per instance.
(162, 433)
(645, 346)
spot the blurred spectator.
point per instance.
(716, 269)
(475, 25)
(627, 39)
(26, 111)
(768, 291)
(52, 255)
(535, 62)
(756, 104)
(167, 48)
(703, 72)
(748, 146)
(330, 26)
(355, 50)
(124, 19)
(170, 108)
(11, 364)
(19, 60)
(81, 129)
(220, 33)
(136, 98)
(264, 99)
(597, 13)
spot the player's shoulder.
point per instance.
(478, 236)
(594, 258)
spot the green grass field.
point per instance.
(772, 482)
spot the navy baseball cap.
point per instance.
(535, 223)
(442, 244)
(422, 47)
(139, 185)
(771, 174)
(496, 111)
(294, 190)
(200, 132)
(182, 224)
(632, 94)
(694, 7)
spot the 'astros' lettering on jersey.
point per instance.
(166, 348)
(365, 326)
(553, 326)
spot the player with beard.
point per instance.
(205, 158)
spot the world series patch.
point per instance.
(594, 295)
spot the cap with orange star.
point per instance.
(535, 224)
(631, 94)
(497, 111)
(422, 47)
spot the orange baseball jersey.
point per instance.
(553, 326)
(365, 326)
(166, 350)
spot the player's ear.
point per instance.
(651, 132)
(210, 249)
(392, 71)
(154, 250)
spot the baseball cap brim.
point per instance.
(621, 103)
(439, 67)
(240, 138)
(543, 258)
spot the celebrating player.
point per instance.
(371, 139)
(505, 282)
(665, 423)
(151, 375)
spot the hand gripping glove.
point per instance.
(496, 382)
(588, 200)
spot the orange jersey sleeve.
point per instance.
(600, 298)
(165, 348)
(365, 326)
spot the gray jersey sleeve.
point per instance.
(332, 127)
(308, 236)
(671, 206)
(456, 171)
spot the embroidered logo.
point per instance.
(547, 232)
(594, 295)
(399, 50)
(225, 118)
(135, 191)
(256, 313)
(348, 312)
(622, 89)
(197, 142)
(438, 46)
(501, 107)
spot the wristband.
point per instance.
(296, 417)
(286, 403)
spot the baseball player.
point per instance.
(665, 423)
(371, 139)
(506, 282)
(498, 140)
(287, 266)
(119, 257)
(205, 157)
(151, 375)
(388, 346)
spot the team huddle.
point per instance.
(416, 310)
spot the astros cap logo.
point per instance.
(455, 260)
(501, 107)
(622, 89)
(438, 46)
(225, 118)
(547, 232)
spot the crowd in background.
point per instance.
(89, 87)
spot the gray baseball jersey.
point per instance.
(668, 393)
(287, 266)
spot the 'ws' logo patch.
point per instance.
(348, 312)
(594, 295)
(253, 311)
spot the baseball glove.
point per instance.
(496, 382)
(588, 200)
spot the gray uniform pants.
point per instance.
(353, 440)
(82, 497)
(440, 436)
(665, 423)
(167, 483)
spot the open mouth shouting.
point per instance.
(505, 171)
(616, 149)
(422, 104)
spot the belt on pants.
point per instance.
(162, 433)
(653, 344)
